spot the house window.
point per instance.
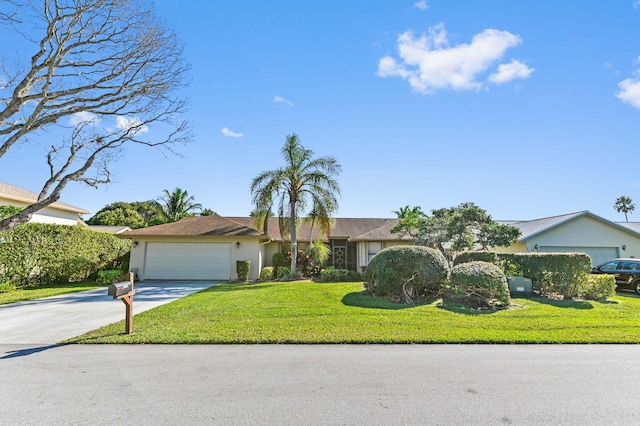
(372, 249)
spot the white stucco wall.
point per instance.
(584, 231)
(46, 215)
(588, 232)
(248, 250)
(363, 250)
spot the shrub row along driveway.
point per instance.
(50, 320)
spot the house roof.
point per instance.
(634, 226)
(109, 229)
(14, 193)
(197, 225)
(531, 228)
(353, 229)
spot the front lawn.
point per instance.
(305, 312)
(24, 294)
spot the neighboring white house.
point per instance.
(582, 232)
(58, 212)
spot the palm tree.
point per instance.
(625, 205)
(303, 179)
(178, 204)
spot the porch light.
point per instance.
(135, 244)
(624, 247)
(238, 244)
(535, 247)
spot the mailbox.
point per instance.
(124, 291)
(120, 289)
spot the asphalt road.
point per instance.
(53, 319)
(320, 385)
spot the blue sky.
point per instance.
(527, 108)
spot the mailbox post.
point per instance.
(124, 291)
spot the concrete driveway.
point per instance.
(50, 320)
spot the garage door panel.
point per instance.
(598, 255)
(188, 261)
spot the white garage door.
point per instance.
(598, 255)
(188, 261)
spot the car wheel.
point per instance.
(636, 286)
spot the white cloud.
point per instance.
(423, 5)
(429, 64)
(225, 131)
(83, 117)
(280, 100)
(131, 123)
(636, 4)
(629, 92)
(511, 71)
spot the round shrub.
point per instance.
(280, 259)
(406, 273)
(479, 285)
(476, 256)
(267, 273)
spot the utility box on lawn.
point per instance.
(520, 286)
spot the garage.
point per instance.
(187, 261)
(598, 255)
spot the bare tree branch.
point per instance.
(105, 73)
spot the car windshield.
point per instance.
(610, 266)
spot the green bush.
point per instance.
(242, 268)
(406, 273)
(478, 285)
(293, 275)
(281, 271)
(7, 287)
(280, 259)
(41, 253)
(267, 273)
(108, 276)
(550, 273)
(598, 287)
(476, 256)
(339, 275)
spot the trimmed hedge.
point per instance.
(339, 275)
(242, 268)
(598, 287)
(42, 253)
(108, 276)
(550, 273)
(280, 260)
(476, 256)
(267, 273)
(406, 273)
(478, 285)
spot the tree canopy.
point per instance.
(178, 204)
(101, 75)
(137, 214)
(624, 205)
(463, 227)
(304, 181)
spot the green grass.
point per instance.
(21, 295)
(304, 312)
